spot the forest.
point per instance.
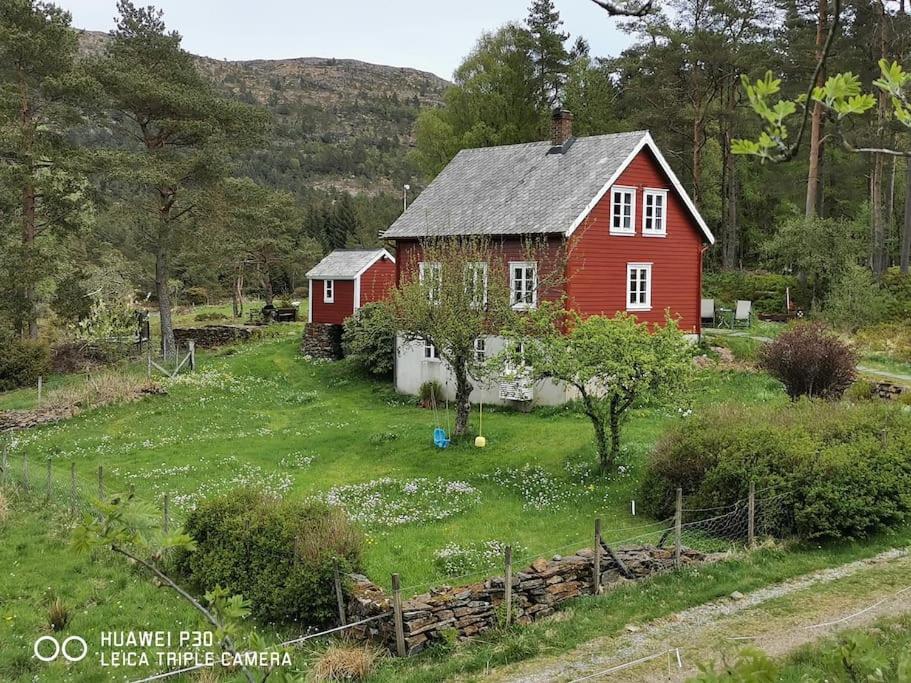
(131, 174)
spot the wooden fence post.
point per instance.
(507, 583)
(339, 596)
(165, 521)
(397, 615)
(192, 345)
(40, 386)
(48, 496)
(73, 489)
(596, 577)
(678, 528)
(101, 482)
(751, 516)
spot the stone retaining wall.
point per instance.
(887, 390)
(212, 336)
(322, 340)
(468, 610)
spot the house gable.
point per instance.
(598, 265)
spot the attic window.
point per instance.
(623, 211)
(328, 291)
(654, 208)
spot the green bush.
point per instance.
(857, 300)
(369, 339)
(279, 554)
(846, 467)
(765, 290)
(22, 361)
(861, 390)
(898, 286)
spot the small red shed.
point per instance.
(345, 280)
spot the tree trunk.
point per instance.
(601, 442)
(876, 210)
(267, 288)
(731, 246)
(880, 257)
(614, 430)
(906, 227)
(816, 121)
(29, 233)
(162, 271)
(463, 392)
(237, 301)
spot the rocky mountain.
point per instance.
(340, 124)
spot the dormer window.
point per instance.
(623, 211)
(654, 213)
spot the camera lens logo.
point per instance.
(73, 649)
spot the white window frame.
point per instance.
(639, 305)
(480, 349)
(431, 355)
(646, 195)
(523, 305)
(471, 271)
(328, 291)
(435, 269)
(631, 192)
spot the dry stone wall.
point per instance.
(322, 340)
(469, 610)
(213, 336)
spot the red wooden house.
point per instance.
(633, 236)
(345, 280)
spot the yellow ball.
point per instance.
(480, 442)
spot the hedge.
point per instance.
(846, 467)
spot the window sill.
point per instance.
(638, 309)
(328, 301)
(654, 234)
(623, 233)
(524, 307)
(432, 360)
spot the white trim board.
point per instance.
(646, 141)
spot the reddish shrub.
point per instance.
(810, 361)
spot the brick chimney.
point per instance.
(562, 127)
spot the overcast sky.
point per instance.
(432, 35)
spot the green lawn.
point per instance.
(259, 414)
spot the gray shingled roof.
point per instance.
(515, 189)
(344, 264)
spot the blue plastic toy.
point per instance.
(440, 440)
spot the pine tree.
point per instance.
(343, 221)
(39, 170)
(550, 56)
(176, 130)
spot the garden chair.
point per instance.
(708, 312)
(743, 314)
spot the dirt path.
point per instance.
(894, 377)
(777, 619)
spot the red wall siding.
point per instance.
(342, 307)
(409, 254)
(596, 283)
(377, 281)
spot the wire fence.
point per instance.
(76, 491)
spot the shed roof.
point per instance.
(346, 264)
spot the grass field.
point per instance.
(261, 415)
